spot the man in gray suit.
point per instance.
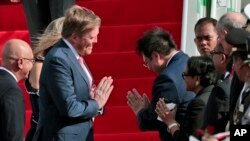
(68, 100)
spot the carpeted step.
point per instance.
(118, 96)
(136, 136)
(117, 65)
(117, 120)
(122, 86)
(111, 38)
(113, 12)
(122, 118)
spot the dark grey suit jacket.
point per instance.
(12, 117)
(217, 112)
(66, 109)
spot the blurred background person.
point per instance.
(206, 36)
(217, 111)
(238, 37)
(17, 61)
(45, 41)
(225, 24)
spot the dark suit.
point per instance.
(217, 112)
(195, 115)
(170, 85)
(39, 13)
(66, 109)
(12, 109)
(235, 89)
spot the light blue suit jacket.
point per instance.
(66, 109)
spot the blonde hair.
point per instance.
(79, 20)
(50, 36)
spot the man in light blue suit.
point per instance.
(68, 102)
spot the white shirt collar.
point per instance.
(71, 48)
(2, 68)
(171, 57)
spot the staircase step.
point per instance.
(122, 118)
(122, 86)
(120, 12)
(117, 122)
(113, 12)
(117, 65)
(118, 96)
(111, 38)
(137, 136)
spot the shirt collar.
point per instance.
(71, 48)
(2, 68)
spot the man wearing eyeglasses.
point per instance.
(17, 61)
(160, 55)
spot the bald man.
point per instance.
(226, 23)
(17, 61)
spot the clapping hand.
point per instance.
(137, 102)
(103, 90)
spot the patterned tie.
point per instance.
(81, 61)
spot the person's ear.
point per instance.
(20, 63)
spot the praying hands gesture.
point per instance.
(137, 102)
(102, 92)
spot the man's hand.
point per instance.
(102, 92)
(136, 102)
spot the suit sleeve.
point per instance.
(147, 118)
(60, 85)
(12, 115)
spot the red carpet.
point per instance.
(123, 22)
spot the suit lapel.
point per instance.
(75, 63)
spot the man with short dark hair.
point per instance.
(159, 54)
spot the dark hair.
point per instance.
(240, 54)
(205, 20)
(157, 40)
(202, 66)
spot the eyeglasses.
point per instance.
(32, 60)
